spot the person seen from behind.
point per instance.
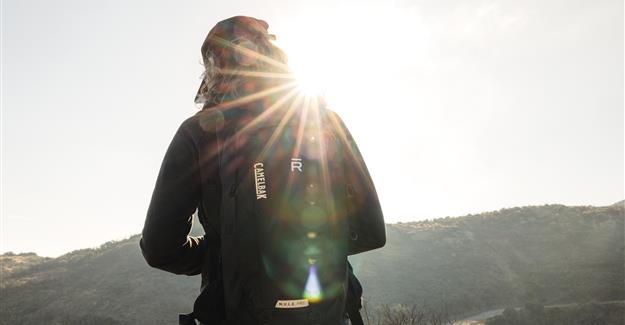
(279, 186)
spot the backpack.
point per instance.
(284, 232)
(287, 194)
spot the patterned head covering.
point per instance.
(219, 41)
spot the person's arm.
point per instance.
(366, 221)
(165, 241)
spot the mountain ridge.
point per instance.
(549, 253)
(196, 230)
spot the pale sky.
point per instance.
(458, 106)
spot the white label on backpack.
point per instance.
(296, 163)
(259, 178)
(298, 303)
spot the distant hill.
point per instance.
(12, 263)
(550, 254)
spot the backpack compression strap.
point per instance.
(354, 296)
(354, 317)
(186, 319)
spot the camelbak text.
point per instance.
(259, 177)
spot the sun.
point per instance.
(315, 72)
(319, 71)
(315, 63)
(310, 79)
(350, 54)
(334, 57)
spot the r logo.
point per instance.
(296, 163)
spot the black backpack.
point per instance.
(286, 227)
(284, 232)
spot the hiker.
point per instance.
(279, 186)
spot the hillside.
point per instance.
(551, 254)
(548, 254)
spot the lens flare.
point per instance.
(312, 291)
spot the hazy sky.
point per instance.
(458, 106)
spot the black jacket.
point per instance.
(188, 180)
